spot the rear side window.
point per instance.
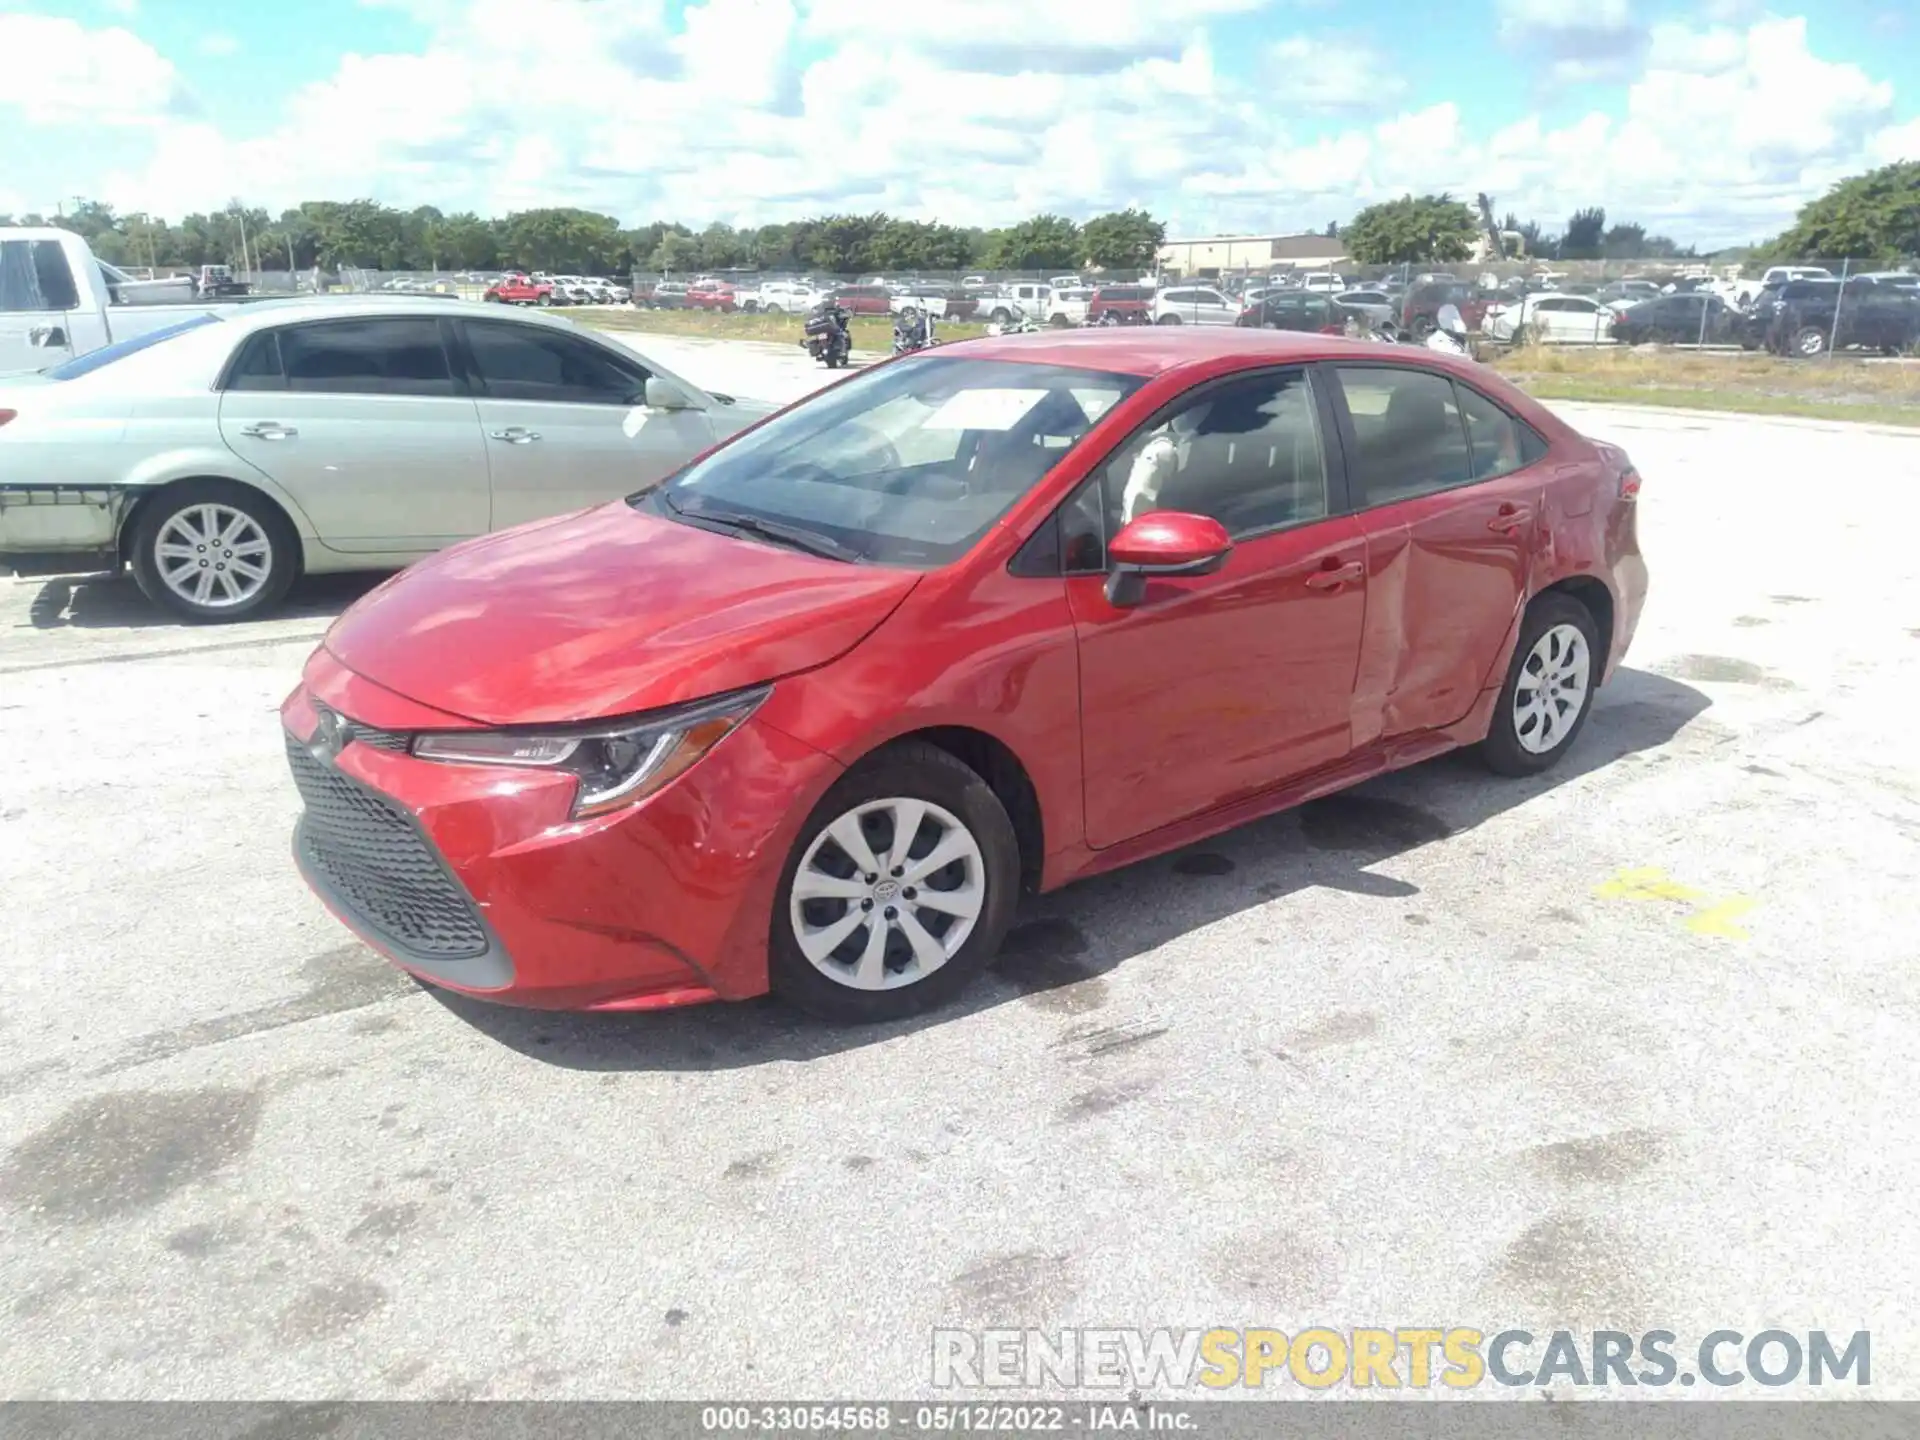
(400, 356)
(1498, 443)
(258, 365)
(1409, 435)
(520, 362)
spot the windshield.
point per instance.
(909, 464)
(96, 359)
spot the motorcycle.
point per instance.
(1450, 335)
(826, 336)
(1021, 324)
(912, 330)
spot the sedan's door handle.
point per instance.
(270, 430)
(1337, 575)
(1509, 518)
(515, 435)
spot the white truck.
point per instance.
(1743, 293)
(57, 300)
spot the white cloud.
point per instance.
(1720, 135)
(63, 72)
(122, 7)
(218, 44)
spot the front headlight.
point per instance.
(617, 763)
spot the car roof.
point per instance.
(1149, 350)
(257, 314)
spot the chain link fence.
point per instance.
(1802, 310)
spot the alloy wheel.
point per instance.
(1552, 689)
(887, 893)
(213, 556)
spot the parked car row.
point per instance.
(542, 289)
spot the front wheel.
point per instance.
(898, 891)
(1810, 342)
(1168, 320)
(211, 550)
(1549, 690)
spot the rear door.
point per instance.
(566, 421)
(1443, 483)
(37, 298)
(363, 422)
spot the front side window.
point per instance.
(1409, 437)
(909, 464)
(1246, 453)
(34, 277)
(522, 362)
(381, 356)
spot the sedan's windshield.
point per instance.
(909, 465)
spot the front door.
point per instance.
(567, 424)
(1220, 686)
(1443, 484)
(37, 292)
(362, 422)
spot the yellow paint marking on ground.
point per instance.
(1711, 916)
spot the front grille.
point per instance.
(374, 861)
(359, 734)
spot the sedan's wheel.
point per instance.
(1059, 322)
(1549, 689)
(899, 889)
(212, 551)
(1810, 341)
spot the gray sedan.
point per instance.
(1375, 306)
(224, 456)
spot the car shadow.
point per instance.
(1064, 944)
(102, 602)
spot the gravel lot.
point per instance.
(1630, 1046)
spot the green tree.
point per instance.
(1045, 242)
(1586, 232)
(677, 252)
(1873, 218)
(1123, 240)
(1396, 232)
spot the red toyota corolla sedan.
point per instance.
(811, 714)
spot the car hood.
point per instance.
(606, 612)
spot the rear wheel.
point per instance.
(1059, 322)
(1549, 690)
(1168, 320)
(898, 891)
(211, 551)
(1001, 316)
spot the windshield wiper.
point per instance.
(797, 537)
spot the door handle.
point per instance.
(270, 430)
(1335, 575)
(515, 435)
(45, 337)
(1509, 518)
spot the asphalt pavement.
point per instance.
(1630, 1046)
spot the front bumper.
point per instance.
(476, 878)
(50, 529)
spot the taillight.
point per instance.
(6, 415)
(1629, 483)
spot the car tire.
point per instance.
(1809, 342)
(544, 301)
(1059, 322)
(952, 807)
(1001, 317)
(491, 299)
(1559, 643)
(1423, 326)
(1168, 320)
(261, 536)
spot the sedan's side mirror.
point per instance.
(665, 395)
(1166, 544)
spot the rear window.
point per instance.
(97, 359)
(1121, 292)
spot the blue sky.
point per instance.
(1709, 119)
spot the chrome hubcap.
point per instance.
(887, 894)
(213, 555)
(1552, 689)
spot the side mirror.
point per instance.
(1169, 544)
(665, 395)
